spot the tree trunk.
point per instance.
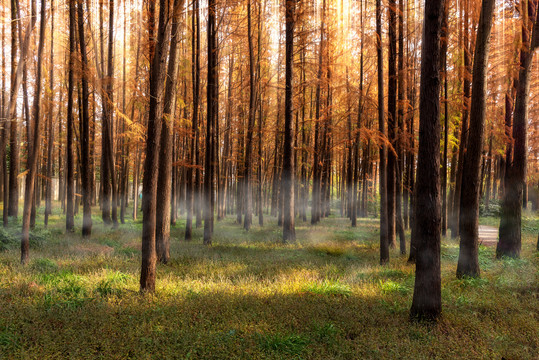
(443, 55)
(465, 119)
(212, 116)
(85, 134)
(289, 232)
(5, 140)
(16, 72)
(510, 223)
(247, 174)
(109, 129)
(70, 221)
(33, 142)
(164, 182)
(316, 210)
(192, 187)
(391, 122)
(400, 131)
(151, 169)
(384, 240)
(50, 161)
(427, 298)
(468, 263)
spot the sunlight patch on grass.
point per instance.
(113, 283)
(389, 287)
(328, 288)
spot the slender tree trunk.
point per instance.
(443, 54)
(316, 210)
(5, 139)
(212, 116)
(400, 132)
(247, 174)
(164, 181)
(16, 72)
(33, 150)
(489, 170)
(260, 118)
(109, 131)
(151, 169)
(50, 161)
(85, 134)
(392, 122)
(192, 188)
(289, 232)
(384, 240)
(70, 221)
(465, 119)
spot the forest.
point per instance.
(269, 179)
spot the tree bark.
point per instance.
(384, 240)
(50, 160)
(510, 223)
(70, 221)
(164, 181)
(151, 170)
(247, 174)
(192, 185)
(212, 116)
(427, 298)
(85, 134)
(33, 150)
(392, 122)
(16, 73)
(289, 231)
(468, 263)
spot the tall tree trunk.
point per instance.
(5, 139)
(16, 72)
(465, 120)
(50, 161)
(164, 182)
(468, 263)
(212, 116)
(85, 135)
(33, 150)
(316, 210)
(70, 221)
(109, 129)
(289, 231)
(392, 122)
(260, 118)
(355, 203)
(247, 174)
(400, 132)
(510, 223)
(443, 54)
(192, 187)
(427, 298)
(151, 170)
(384, 240)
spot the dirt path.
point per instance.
(488, 235)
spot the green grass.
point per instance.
(250, 297)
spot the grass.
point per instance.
(250, 297)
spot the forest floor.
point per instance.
(250, 297)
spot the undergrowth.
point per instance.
(250, 297)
